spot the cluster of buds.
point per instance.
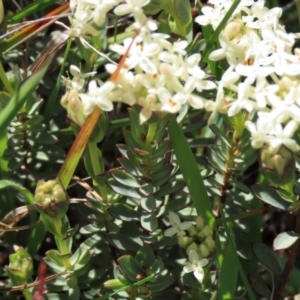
(51, 199)
(199, 239)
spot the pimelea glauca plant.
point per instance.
(181, 145)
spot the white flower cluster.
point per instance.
(262, 78)
(263, 71)
(157, 74)
(87, 14)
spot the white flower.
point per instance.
(211, 16)
(259, 131)
(284, 137)
(177, 226)
(220, 105)
(244, 93)
(130, 6)
(171, 103)
(78, 78)
(196, 265)
(197, 79)
(140, 54)
(149, 105)
(97, 96)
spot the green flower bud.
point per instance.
(192, 231)
(278, 168)
(203, 250)
(210, 243)
(184, 241)
(51, 199)
(199, 223)
(206, 231)
(192, 246)
(113, 284)
(20, 268)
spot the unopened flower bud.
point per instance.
(278, 168)
(233, 28)
(113, 284)
(210, 243)
(71, 102)
(204, 250)
(184, 241)
(51, 198)
(192, 231)
(192, 246)
(206, 231)
(199, 223)
(20, 268)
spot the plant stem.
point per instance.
(98, 168)
(62, 244)
(27, 294)
(289, 265)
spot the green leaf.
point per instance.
(131, 142)
(149, 221)
(145, 257)
(161, 284)
(84, 257)
(270, 196)
(259, 286)
(220, 135)
(191, 173)
(157, 267)
(130, 268)
(169, 189)
(163, 175)
(123, 242)
(129, 166)
(43, 138)
(55, 260)
(11, 184)
(138, 131)
(124, 178)
(183, 11)
(24, 91)
(148, 203)
(267, 257)
(123, 190)
(285, 240)
(123, 212)
(35, 239)
(227, 284)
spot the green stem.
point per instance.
(62, 243)
(97, 168)
(5, 81)
(27, 294)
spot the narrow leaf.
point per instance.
(190, 172)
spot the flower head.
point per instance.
(177, 226)
(196, 265)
